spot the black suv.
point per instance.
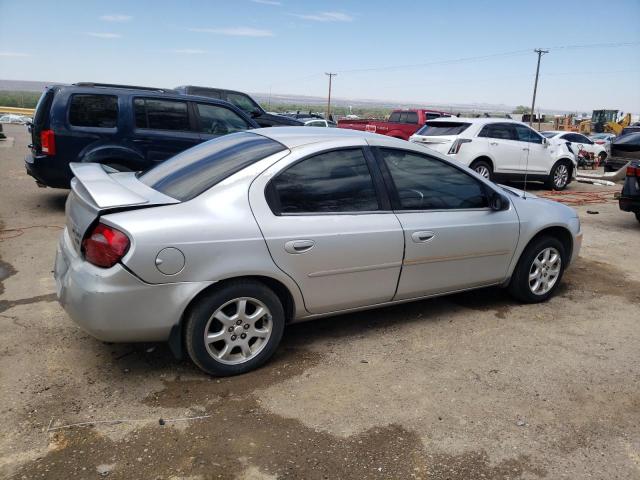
(244, 102)
(124, 127)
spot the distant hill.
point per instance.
(264, 98)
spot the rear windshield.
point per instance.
(194, 171)
(42, 108)
(434, 129)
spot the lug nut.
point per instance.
(238, 322)
(246, 326)
(231, 329)
(233, 337)
(243, 335)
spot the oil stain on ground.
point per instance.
(241, 435)
(6, 271)
(601, 278)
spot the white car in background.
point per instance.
(318, 122)
(578, 142)
(500, 149)
(603, 139)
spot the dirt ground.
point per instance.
(472, 386)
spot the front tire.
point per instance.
(560, 176)
(539, 270)
(483, 168)
(234, 329)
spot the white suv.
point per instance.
(500, 149)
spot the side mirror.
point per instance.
(545, 141)
(497, 202)
(256, 113)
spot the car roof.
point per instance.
(481, 120)
(114, 89)
(292, 137)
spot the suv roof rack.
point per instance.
(130, 87)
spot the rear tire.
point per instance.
(483, 168)
(537, 276)
(602, 156)
(243, 322)
(560, 176)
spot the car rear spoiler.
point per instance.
(113, 190)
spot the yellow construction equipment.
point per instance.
(17, 111)
(607, 121)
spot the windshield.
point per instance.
(193, 171)
(549, 134)
(435, 128)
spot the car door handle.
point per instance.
(493, 143)
(299, 246)
(422, 237)
(525, 149)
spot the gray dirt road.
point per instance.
(472, 386)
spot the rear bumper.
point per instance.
(48, 170)
(114, 305)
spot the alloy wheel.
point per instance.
(238, 330)
(561, 176)
(484, 171)
(545, 271)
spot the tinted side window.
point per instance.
(425, 183)
(583, 139)
(525, 134)
(94, 111)
(502, 131)
(218, 120)
(403, 117)
(337, 181)
(161, 114)
(243, 102)
(412, 117)
(394, 117)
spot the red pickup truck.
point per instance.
(401, 124)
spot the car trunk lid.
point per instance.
(95, 192)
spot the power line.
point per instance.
(487, 57)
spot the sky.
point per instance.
(458, 52)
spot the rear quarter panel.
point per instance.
(216, 232)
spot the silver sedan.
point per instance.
(219, 248)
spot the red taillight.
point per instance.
(600, 142)
(48, 142)
(633, 171)
(105, 246)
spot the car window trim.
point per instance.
(273, 201)
(392, 190)
(85, 128)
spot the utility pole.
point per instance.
(540, 52)
(330, 75)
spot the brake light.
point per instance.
(600, 142)
(48, 142)
(455, 147)
(105, 246)
(633, 171)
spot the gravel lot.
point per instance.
(464, 387)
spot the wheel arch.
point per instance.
(176, 336)
(484, 158)
(561, 233)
